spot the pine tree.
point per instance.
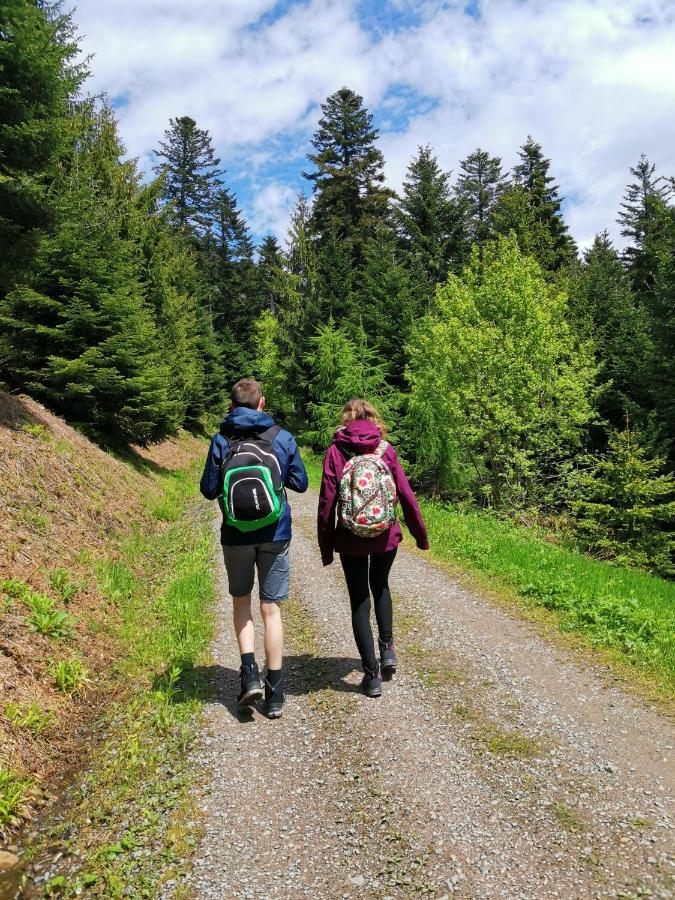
(38, 80)
(428, 220)
(637, 218)
(513, 213)
(626, 508)
(532, 173)
(191, 174)
(478, 187)
(348, 176)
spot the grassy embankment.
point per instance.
(105, 594)
(130, 823)
(628, 616)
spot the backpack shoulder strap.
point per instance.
(270, 433)
(381, 449)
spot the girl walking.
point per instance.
(362, 482)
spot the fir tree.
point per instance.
(191, 174)
(478, 187)
(348, 175)
(38, 80)
(532, 173)
(428, 220)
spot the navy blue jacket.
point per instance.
(242, 420)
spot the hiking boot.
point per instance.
(274, 699)
(251, 689)
(388, 661)
(371, 683)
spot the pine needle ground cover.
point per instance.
(625, 611)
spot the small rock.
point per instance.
(8, 860)
(357, 880)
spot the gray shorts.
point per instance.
(271, 561)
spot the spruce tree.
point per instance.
(604, 309)
(532, 174)
(478, 187)
(428, 220)
(191, 174)
(81, 336)
(37, 82)
(637, 219)
(514, 214)
(342, 366)
(626, 505)
(271, 273)
(348, 176)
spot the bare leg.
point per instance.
(274, 634)
(243, 623)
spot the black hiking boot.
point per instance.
(371, 684)
(388, 661)
(274, 699)
(251, 689)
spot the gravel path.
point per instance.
(492, 766)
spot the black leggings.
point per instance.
(360, 571)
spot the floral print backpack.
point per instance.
(367, 497)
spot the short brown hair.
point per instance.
(246, 392)
(358, 408)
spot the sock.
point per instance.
(248, 659)
(274, 677)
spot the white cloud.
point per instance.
(592, 80)
(271, 208)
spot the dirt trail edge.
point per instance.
(492, 766)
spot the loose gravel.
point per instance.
(492, 766)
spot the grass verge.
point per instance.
(129, 825)
(627, 613)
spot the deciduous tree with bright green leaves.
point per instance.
(499, 385)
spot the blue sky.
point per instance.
(591, 80)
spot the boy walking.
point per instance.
(250, 463)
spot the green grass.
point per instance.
(133, 825)
(613, 607)
(29, 716)
(69, 675)
(14, 790)
(623, 610)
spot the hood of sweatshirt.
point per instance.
(360, 436)
(242, 419)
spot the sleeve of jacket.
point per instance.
(296, 479)
(326, 513)
(209, 484)
(409, 505)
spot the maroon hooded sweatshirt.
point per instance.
(362, 436)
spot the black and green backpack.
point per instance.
(253, 491)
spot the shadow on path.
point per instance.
(303, 674)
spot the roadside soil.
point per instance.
(492, 766)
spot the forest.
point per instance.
(515, 372)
